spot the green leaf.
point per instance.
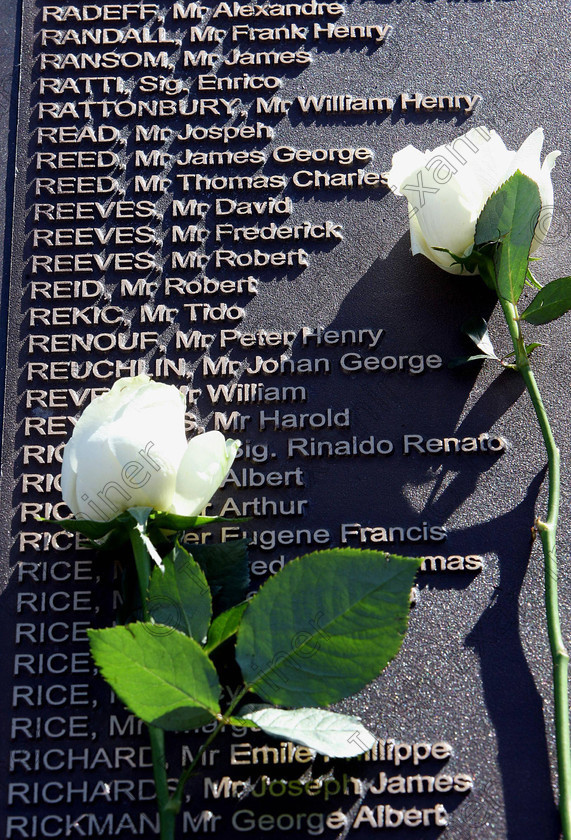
(140, 515)
(475, 261)
(463, 262)
(529, 348)
(514, 203)
(139, 536)
(464, 360)
(113, 541)
(325, 625)
(531, 281)
(179, 597)
(173, 522)
(161, 675)
(101, 536)
(92, 530)
(508, 219)
(227, 571)
(144, 516)
(476, 329)
(329, 733)
(238, 721)
(553, 301)
(224, 626)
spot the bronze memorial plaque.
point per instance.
(206, 193)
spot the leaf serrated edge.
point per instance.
(353, 551)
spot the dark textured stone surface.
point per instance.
(475, 668)
(9, 63)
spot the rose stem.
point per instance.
(176, 800)
(547, 531)
(167, 816)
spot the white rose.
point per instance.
(129, 450)
(447, 188)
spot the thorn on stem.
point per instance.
(534, 534)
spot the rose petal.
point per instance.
(448, 187)
(445, 215)
(404, 163)
(125, 450)
(100, 491)
(528, 160)
(204, 466)
(69, 476)
(482, 154)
